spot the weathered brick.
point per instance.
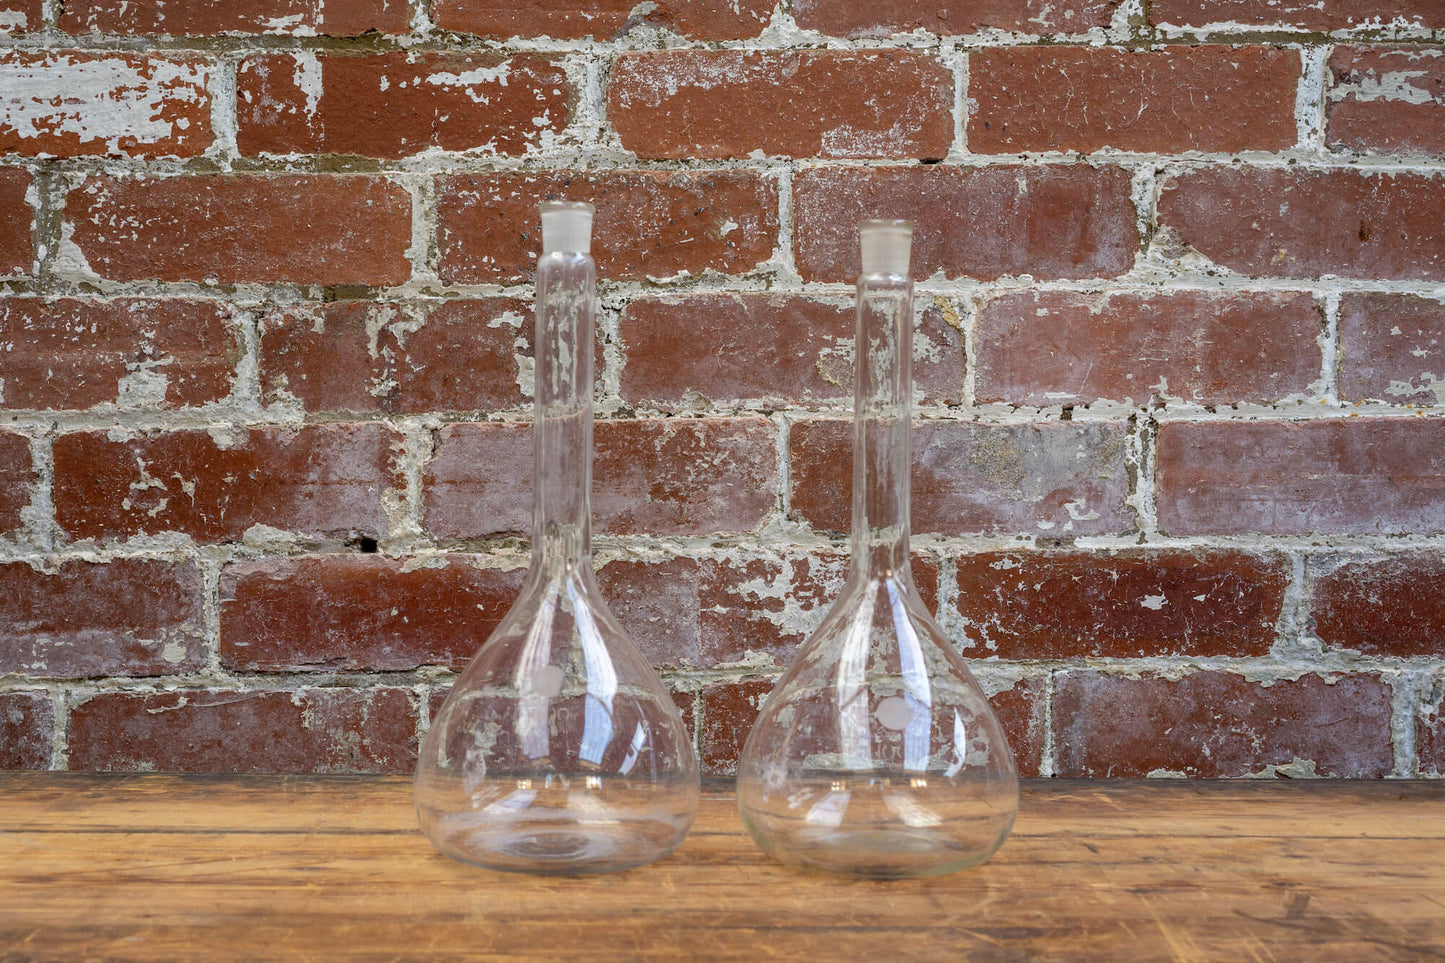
(1430, 734)
(730, 103)
(1298, 14)
(227, 229)
(71, 354)
(1020, 710)
(133, 617)
(657, 603)
(398, 104)
(1072, 605)
(1382, 476)
(776, 348)
(1214, 724)
(16, 478)
(1392, 348)
(17, 223)
(1047, 479)
(1287, 222)
(114, 104)
(862, 18)
(681, 476)
(728, 710)
(359, 612)
(1059, 221)
(1390, 99)
(1063, 347)
(19, 17)
(604, 19)
(27, 726)
(1392, 607)
(648, 223)
(321, 480)
(768, 606)
(1209, 98)
(364, 356)
(309, 730)
(204, 18)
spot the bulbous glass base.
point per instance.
(877, 754)
(558, 751)
(568, 824)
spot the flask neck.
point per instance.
(882, 409)
(562, 412)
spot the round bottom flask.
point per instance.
(877, 754)
(559, 750)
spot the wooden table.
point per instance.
(255, 867)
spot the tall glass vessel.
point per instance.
(877, 754)
(558, 749)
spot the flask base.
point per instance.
(547, 848)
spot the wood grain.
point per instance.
(144, 867)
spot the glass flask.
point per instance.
(877, 754)
(558, 749)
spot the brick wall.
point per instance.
(265, 365)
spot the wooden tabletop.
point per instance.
(256, 867)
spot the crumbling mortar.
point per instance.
(1309, 107)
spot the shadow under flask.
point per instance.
(559, 750)
(877, 754)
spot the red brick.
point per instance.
(27, 725)
(309, 730)
(19, 17)
(204, 18)
(863, 18)
(656, 602)
(1063, 347)
(729, 103)
(1059, 221)
(1073, 605)
(728, 711)
(363, 356)
(71, 354)
(768, 606)
(114, 104)
(359, 612)
(1298, 14)
(1209, 98)
(1020, 710)
(244, 228)
(321, 480)
(776, 348)
(397, 104)
(1392, 348)
(648, 223)
(681, 476)
(1390, 99)
(131, 617)
(16, 478)
(1377, 476)
(1430, 735)
(1213, 724)
(17, 223)
(1392, 607)
(605, 19)
(1047, 479)
(1304, 223)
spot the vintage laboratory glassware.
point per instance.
(877, 754)
(558, 750)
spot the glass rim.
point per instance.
(546, 206)
(884, 224)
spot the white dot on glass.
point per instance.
(547, 681)
(893, 712)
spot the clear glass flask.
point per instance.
(558, 749)
(877, 754)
